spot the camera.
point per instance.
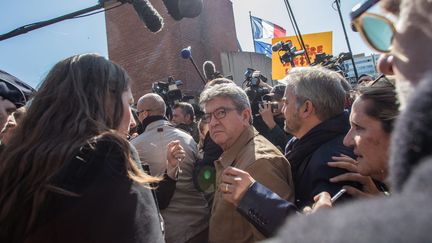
(273, 104)
(170, 93)
(253, 78)
(254, 91)
(289, 52)
(333, 63)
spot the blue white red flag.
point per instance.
(263, 31)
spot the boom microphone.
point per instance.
(173, 9)
(179, 9)
(148, 14)
(209, 70)
(190, 8)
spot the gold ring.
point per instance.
(226, 187)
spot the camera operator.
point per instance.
(266, 106)
(273, 118)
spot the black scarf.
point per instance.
(299, 150)
(149, 120)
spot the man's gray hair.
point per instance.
(229, 91)
(319, 85)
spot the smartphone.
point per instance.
(338, 195)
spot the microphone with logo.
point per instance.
(186, 53)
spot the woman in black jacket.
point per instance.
(68, 174)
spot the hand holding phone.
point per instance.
(338, 195)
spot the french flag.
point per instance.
(263, 31)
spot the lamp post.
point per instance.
(346, 38)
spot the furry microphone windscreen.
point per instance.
(148, 15)
(209, 70)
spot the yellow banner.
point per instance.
(315, 43)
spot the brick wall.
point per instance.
(150, 57)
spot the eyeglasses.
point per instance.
(218, 114)
(141, 111)
(376, 30)
(382, 79)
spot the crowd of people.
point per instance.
(78, 164)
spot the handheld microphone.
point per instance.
(209, 70)
(148, 14)
(186, 53)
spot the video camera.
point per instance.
(256, 93)
(289, 52)
(170, 93)
(333, 63)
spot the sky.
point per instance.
(30, 56)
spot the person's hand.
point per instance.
(134, 135)
(175, 155)
(235, 183)
(266, 113)
(344, 162)
(322, 200)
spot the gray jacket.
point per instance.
(188, 211)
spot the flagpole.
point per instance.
(253, 40)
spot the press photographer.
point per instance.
(272, 116)
(266, 105)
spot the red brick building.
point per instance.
(150, 57)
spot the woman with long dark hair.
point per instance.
(68, 174)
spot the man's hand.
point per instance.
(266, 113)
(322, 200)
(235, 183)
(175, 155)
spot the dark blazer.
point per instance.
(267, 211)
(109, 207)
(313, 176)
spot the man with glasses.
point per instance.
(405, 216)
(185, 211)
(228, 114)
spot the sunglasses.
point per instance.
(376, 30)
